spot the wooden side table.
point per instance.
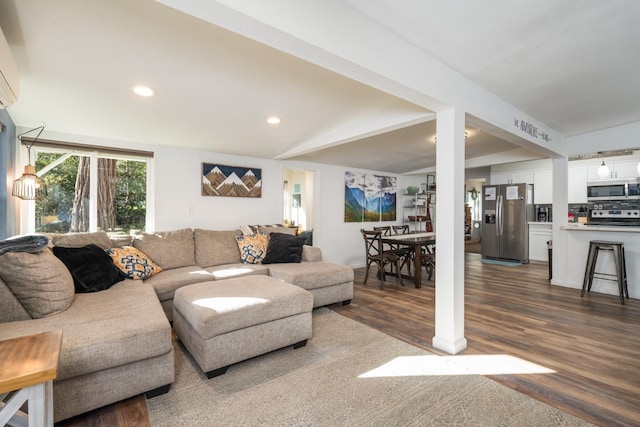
(28, 366)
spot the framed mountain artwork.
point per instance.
(369, 198)
(231, 181)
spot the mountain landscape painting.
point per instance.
(369, 198)
(231, 181)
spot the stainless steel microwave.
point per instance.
(617, 189)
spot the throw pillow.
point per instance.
(90, 267)
(284, 248)
(133, 263)
(278, 229)
(253, 248)
(40, 281)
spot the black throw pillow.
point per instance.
(284, 248)
(90, 266)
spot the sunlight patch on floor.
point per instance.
(485, 364)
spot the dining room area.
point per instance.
(397, 252)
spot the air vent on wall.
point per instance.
(8, 74)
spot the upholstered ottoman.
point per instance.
(328, 283)
(224, 322)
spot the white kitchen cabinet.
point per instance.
(542, 186)
(500, 178)
(512, 177)
(617, 169)
(577, 183)
(539, 235)
(626, 169)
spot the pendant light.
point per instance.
(603, 170)
(29, 186)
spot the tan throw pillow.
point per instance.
(253, 248)
(168, 249)
(40, 281)
(133, 263)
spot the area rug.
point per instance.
(338, 379)
(501, 262)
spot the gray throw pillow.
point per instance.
(40, 281)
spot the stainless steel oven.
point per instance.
(604, 216)
(618, 189)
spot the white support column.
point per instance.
(450, 164)
(560, 216)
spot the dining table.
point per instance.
(416, 241)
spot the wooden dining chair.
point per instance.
(428, 260)
(386, 231)
(405, 253)
(375, 253)
(400, 229)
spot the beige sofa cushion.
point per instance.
(10, 308)
(79, 240)
(312, 275)
(107, 329)
(214, 247)
(168, 249)
(40, 281)
(215, 308)
(229, 271)
(166, 282)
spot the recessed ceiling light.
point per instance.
(273, 120)
(145, 91)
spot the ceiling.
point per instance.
(573, 65)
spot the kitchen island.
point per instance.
(579, 236)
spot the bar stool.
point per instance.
(595, 246)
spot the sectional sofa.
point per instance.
(117, 342)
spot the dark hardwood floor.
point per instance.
(591, 343)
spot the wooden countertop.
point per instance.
(29, 360)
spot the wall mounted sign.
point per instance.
(231, 181)
(531, 129)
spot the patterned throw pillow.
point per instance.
(253, 248)
(133, 263)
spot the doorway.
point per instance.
(297, 198)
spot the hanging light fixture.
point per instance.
(29, 186)
(603, 170)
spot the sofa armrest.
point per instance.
(311, 253)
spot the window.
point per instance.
(90, 190)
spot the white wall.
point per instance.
(178, 199)
(177, 187)
(615, 138)
(178, 203)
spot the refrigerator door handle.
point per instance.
(499, 218)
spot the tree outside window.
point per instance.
(121, 193)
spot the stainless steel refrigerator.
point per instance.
(507, 210)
